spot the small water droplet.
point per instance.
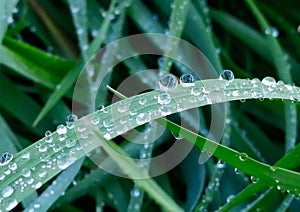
(164, 99)
(13, 166)
(142, 118)
(220, 164)
(168, 82)
(135, 192)
(177, 136)
(61, 130)
(227, 75)
(70, 142)
(25, 155)
(65, 161)
(95, 120)
(243, 156)
(272, 168)
(229, 198)
(26, 172)
(187, 80)
(142, 101)
(7, 191)
(236, 171)
(100, 108)
(48, 136)
(5, 158)
(272, 31)
(253, 179)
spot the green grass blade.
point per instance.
(55, 190)
(6, 9)
(287, 179)
(72, 75)
(9, 142)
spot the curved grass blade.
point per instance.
(287, 179)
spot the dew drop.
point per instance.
(5, 158)
(227, 75)
(69, 121)
(168, 82)
(272, 31)
(26, 172)
(11, 204)
(42, 173)
(196, 91)
(142, 101)
(269, 81)
(236, 171)
(25, 155)
(243, 156)
(61, 130)
(229, 198)
(7, 191)
(187, 80)
(177, 136)
(100, 108)
(273, 169)
(13, 166)
(164, 99)
(220, 164)
(95, 121)
(135, 192)
(70, 143)
(253, 179)
(142, 118)
(48, 136)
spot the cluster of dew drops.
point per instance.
(66, 145)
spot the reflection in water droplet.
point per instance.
(168, 82)
(5, 158)
(187, 80)
(164, 98)
(227, 75)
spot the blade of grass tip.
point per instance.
(6, 11)
(56, 189)
(284, 74)
(176, 25)
(72, 75)
(79, 14)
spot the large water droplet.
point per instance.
(26, 172)
(164, 98)
(269, 81)
(7, 191)
(5, 158)
(168, 82)
(48, 136)
(227, 75)
(187, 80)
(61, 130)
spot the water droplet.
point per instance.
(236, 171)
(164, 98)
(187, 80)
(74, 8)
(177, 136)
(100, 108)
(10, 204)
(25, 155)
(42, 173)
(37, 185)
(196, 91)
(61, 130)
(168, 82)
(220, 164)
(26, 172)
(13, 166)
(71, 118)
(95, 120)
(227, 75)
(7, 191)
(5, 158)
(253, 179)
(243, 156)
(272, 31)
(272, 168)
(229, 198)
(48, 136)
(142, 101)
(70, 142)
(142, 118)
(269, 81)
(135, 192)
